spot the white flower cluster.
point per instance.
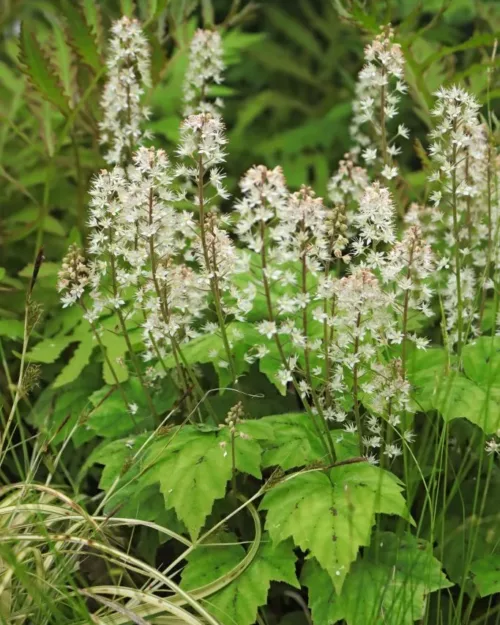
(206, 66)
(136, 239)
(456, 137)
(380, 83)
(363, 320)
(462, 221)
(265, 195)
(128, 67)
(492, 446)
(331, 291)
(202, 141)
(347, 186)
(73, 276)
(375, 216)
(409, 268)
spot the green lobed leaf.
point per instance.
(12, 328)
(123, 464)
(116, 349)
(48, 350)
(481, 360)
(193, 468)
(425, 370)
(330, 514)
(239, 601)
(209, 348)
(111, 417)
(206, 564)
(387, 586)
(486, 572)
(458, 397)
(295, 442)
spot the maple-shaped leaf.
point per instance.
(387, 586)
(209, 348)
(295, 442)
(486, 574)
(193, 468)
(239, 601)
(331, 514)
(458, 397)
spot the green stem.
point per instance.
(309, 380)
(267, 290)
(456, 234)
(123, 326)
(212, 271)
(355, 390)
(383, 130)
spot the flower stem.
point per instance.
(212, 271)
(456, 234)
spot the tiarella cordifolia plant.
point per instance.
(334, 304)
(151, 258)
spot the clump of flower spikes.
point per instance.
(206, 66)
(128, 66)
(363, 321)
(202, 148)
(297, 228)
(462, 161)
(141, 239)
(73, 276)
(137, 232)
(376, 102)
